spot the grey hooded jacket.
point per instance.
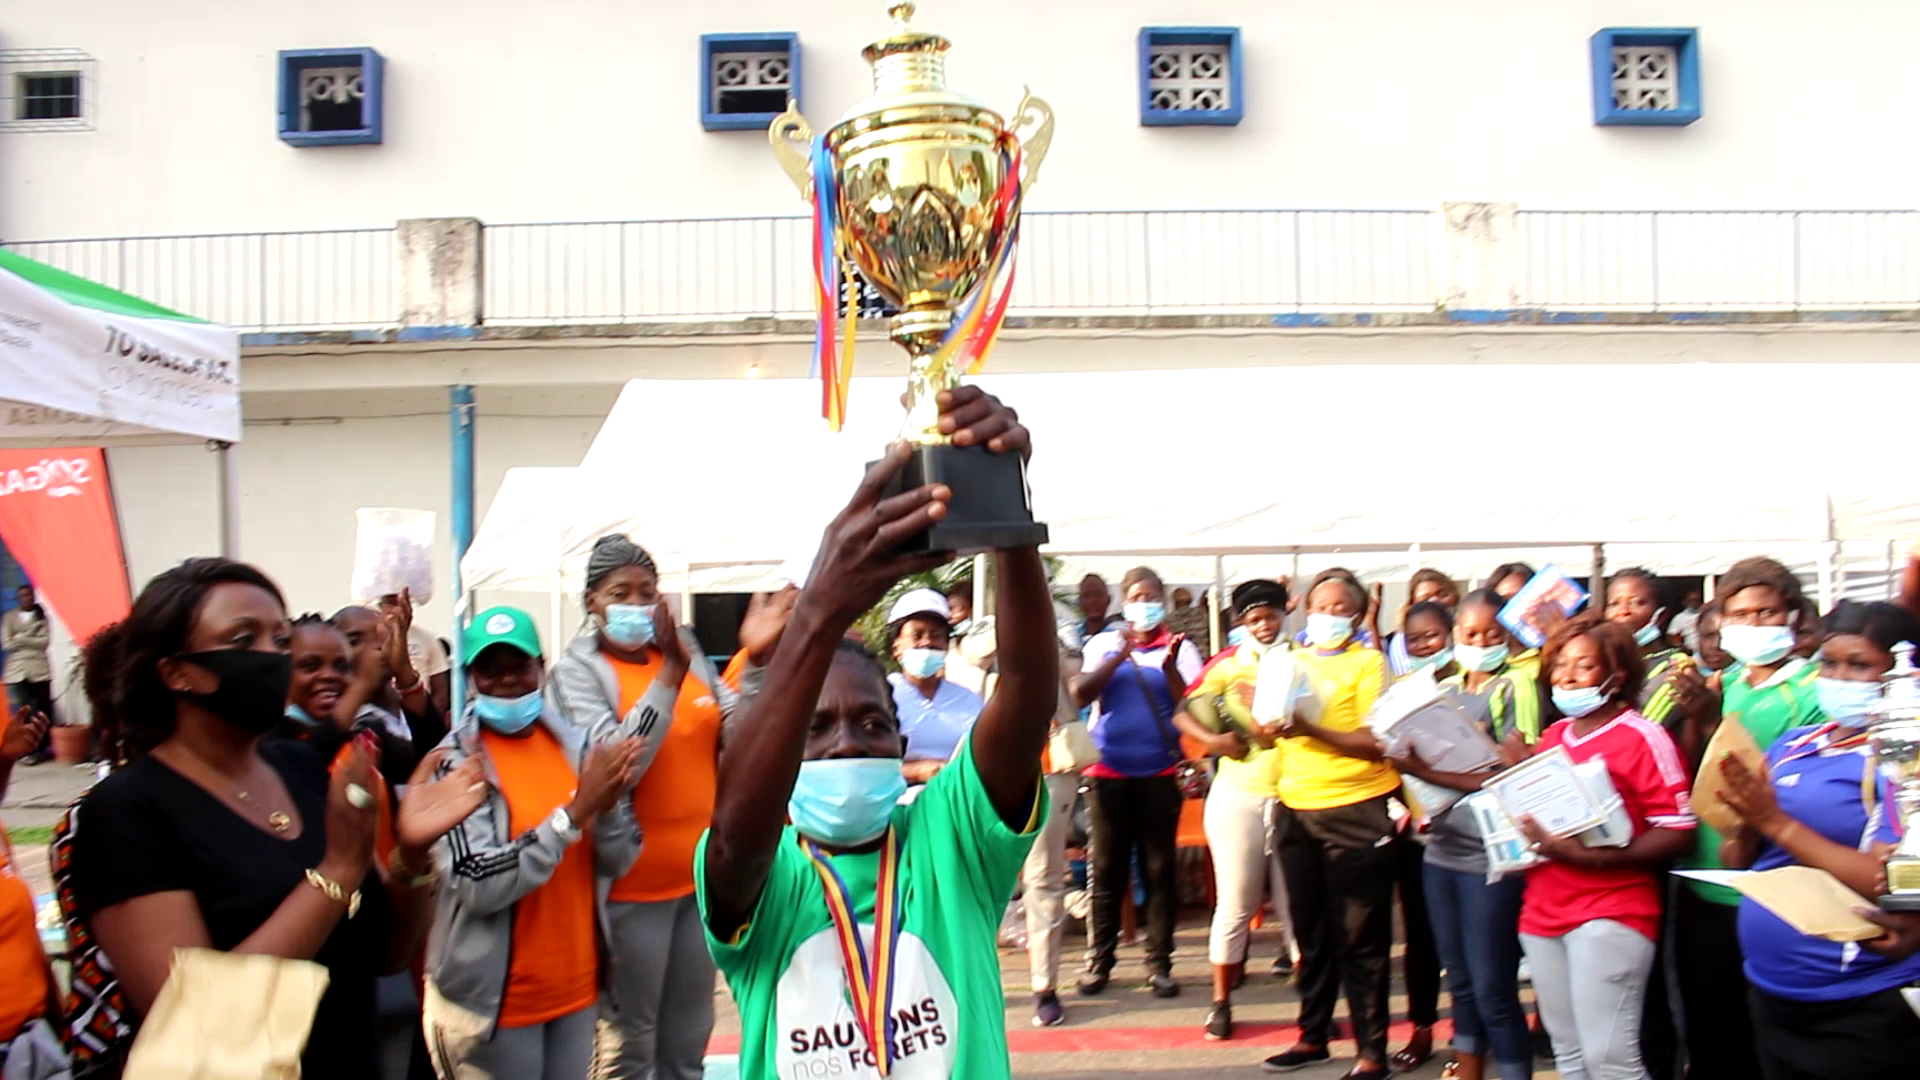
(585, 692)
(485, 871)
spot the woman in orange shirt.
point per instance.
(633, 672)
(25, 990)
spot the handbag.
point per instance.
(1070, 747)
(228, 1016)
(1193, 778)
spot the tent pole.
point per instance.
(460, 417)
(982, 596)
(1597, 584)
(1825, 556)
(553, 609)
(229, 499)
(1214, 641)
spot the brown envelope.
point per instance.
(228, 1016)
(1709, 788)
(1811, 901)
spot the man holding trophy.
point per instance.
(860, 939)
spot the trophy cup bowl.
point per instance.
(1893, 733)
(917, 169)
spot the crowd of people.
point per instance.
(546, 884)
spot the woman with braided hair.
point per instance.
(633, 672)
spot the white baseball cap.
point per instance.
(919, 602)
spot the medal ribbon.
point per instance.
(869, 976)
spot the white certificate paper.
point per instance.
(1546, 789)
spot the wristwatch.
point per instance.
(562, 823)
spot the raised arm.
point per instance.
(856, 565)
(1012, 730)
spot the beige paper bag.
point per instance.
(1709, 788)
(1811, 901)
(228, 1016)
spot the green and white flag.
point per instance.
(79, 361)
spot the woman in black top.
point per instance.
(211, 837)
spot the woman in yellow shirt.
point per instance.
(1336, 843)
(1239, 810)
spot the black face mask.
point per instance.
(252, 694)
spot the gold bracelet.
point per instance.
(398, 868)
(334, 892)
(403, 691)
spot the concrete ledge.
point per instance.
(1356, 320)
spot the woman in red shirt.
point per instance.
(1591, 914)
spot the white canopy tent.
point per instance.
(82, 364)
(1379, 468)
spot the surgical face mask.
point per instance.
(1145, 615)
(1757, 645)
(1846, 702)
(1436, 661)
(252, 692)
(508, 716)
(629, 625)
(845, 801)
(1481, 658)
(922, 663)
(1706, 669)
(1238, 636)
(1328, 631)
(303, 718)
(1579, 701)
(1647, 634)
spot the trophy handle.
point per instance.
(792, 143)
(1036, 113)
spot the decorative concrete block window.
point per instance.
(46, 90)
(746, 80)
(1190, 75)
(1646, 76)
(331, 97)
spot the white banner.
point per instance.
(69, 372)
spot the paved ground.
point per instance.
(1125, 1030)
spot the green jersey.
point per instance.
(959, 865)
(1767, 711)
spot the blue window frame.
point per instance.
(331, 97)
(746, 80)
(1646, 76)
(1190, 75)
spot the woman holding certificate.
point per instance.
(1473, 920)
(1824, 808)
(1591, 913)
(1336, 846)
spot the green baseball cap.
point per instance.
(500, 626)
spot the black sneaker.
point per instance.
(1283, 967)
(1295, 1059)
(1220, 1021)
(1047, 1011)
(1163, 985)
(1092, 983)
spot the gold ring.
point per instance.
(360, 798)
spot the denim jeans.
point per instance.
(1476, 928)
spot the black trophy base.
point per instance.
(990, 510)
(1900, 903)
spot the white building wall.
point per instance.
(588, 109)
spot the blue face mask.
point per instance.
(1647, 634)
(1757, 645)
(508, 716)
(922, 663)
(1481, 658)
(1437, 660)
(1238, 636)
(629, 625)
(1578, 702)
(305, 719)
(1846, 702)
(1328, 631)
(844, 802)
(1145, 615)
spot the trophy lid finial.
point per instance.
(902, 14)
(1900, 687)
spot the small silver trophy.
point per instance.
(1893, 730)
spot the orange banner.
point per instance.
(56, 517)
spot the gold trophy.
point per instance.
(1893, 731)
(918, 190)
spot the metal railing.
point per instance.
(1720, 260)
(331, 279)
(1154, 262)
(1081, 262)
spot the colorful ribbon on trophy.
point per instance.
(977, 324)
(831, 286)
(869, 975)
